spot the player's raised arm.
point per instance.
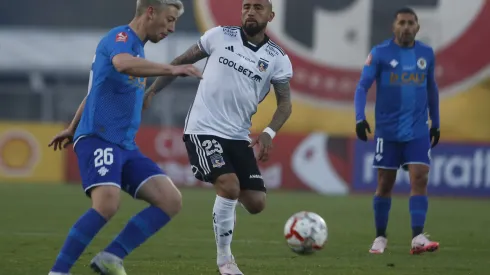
(139, 67)
(120, 48)
(433, 102)
(191, 56)
(202, 49)
(368, 76)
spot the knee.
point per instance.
(419, 182)
(227, 186)
(105, 200)
(420, 179)
(386, 181)
(253, 201)
(256, 207)
(169, 202)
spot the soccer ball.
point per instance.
(305, 232)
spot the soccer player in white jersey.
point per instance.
(242, 64)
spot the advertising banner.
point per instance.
(302, 162)
(25, 156)
(456, 170)
(327, 60)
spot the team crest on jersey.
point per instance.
(421, 63)
(217, 160)
(263, 65)
(122, 37)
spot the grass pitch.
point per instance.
(35, 219)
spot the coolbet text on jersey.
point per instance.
(406, 94)
(237, 77)
(114, 103)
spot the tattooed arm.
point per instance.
(191, 56)
(283, 111)
(284, 106)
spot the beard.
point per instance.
(406, 39)
(253, 28)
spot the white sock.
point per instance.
(224, 224)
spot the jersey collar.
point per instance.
(253, 47)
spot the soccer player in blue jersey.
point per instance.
(406, 96)
(104, 131)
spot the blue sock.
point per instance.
(418, 206)
(138, 230)
(381, 206)
(80, 235)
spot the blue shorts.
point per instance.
(394, 154)
(105, 163)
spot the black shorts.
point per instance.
(212, 156)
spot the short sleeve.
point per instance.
(209, 39)
(283, 70)
(119, 42)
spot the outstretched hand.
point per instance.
(264, 140)
(186, 70)
(62, 139)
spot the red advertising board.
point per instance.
(305, 162)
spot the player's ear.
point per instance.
(150, 12)
(272, 15)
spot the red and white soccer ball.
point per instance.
(306, 232)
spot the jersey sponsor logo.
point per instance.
(122, 37)
(326, 64)
(262, 65)
(230, 48)
(246, 58)
(139, 82)
(407, 78)
(257, 78)
(239, 68)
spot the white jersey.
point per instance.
(236, 78)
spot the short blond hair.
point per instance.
(142, 5)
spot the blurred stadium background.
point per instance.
(46, 48)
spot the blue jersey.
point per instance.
(115, 100)
(406, 90)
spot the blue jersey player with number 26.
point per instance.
(406, 96)
(104, 130)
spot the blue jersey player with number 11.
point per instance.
(104, 130)
(406, 96)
